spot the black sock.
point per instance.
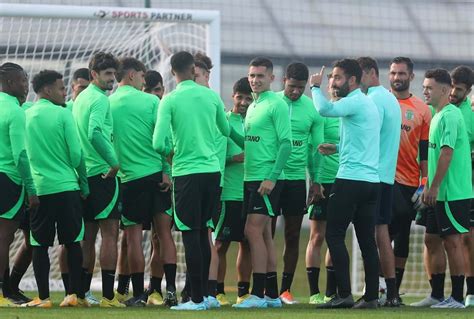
(89, 276)
(187, 287)
(74, 261)
(65, 277)
(470, 285)
(437, 285)
(220, 288)
(155, 284)
(258, 284)
(331, 287)
(6, 282)
(41, 268)
(399, 272)
(170, 274)
(108, 280)
(271, 285)
(313, 278)
(123, 283)
(286, 281)
(15, 278)
(212, 288)
(195, 263)
(457, 283)
(138, 282)
(431, 283)
(391, 288)
(243, 288)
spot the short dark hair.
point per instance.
(152, 79)
(351, 68)
(201, 65)
(82, 73)
(127, 64)
(201, 57)
(242, 86)
(439, 75)
(463, 74)
(262, 61)
(181, 61)
(298, 71)
(102, 61)
(405, 60)
(367, 63)
(7, 68)
(45, 78)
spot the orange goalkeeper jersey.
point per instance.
(416, 118)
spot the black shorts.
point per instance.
(196, 196)
(319, 210)
(471, 214)
(256, 204)
(216, 215)
(383, 215)
(427, 218)
(293, 198)
(25, 221)
(231, 224)
(142, 199)
(12, 199)
(453, 217)
(103, 200)
(61, 212)
(402, 204)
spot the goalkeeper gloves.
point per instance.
(418, 204)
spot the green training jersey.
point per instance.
(221, 149)
(306, 126)
(449, 130)
(329, 165)
(234, 171)
(468, 116)
(192, 111)
(134, 114)
(53, 147)
(94, 124)
(69, 105)
(267, 126)
(25, 106)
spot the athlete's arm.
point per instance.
(423, 150)
(101, 144)
(72, 139)
(444, 160)
(317, 137)
(161, 135)
(236, 137)
(221, 118)
(82, 177)
(327, 108)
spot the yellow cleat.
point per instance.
(6, 303)
(83, 303)
(114, 303)
(121, 298)
(69, 301)
(222, 299)
(155, 299)
(241, 299)
(38, 303)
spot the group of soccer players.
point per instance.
(138, 159)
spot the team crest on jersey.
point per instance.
(409, 115)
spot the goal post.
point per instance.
(64, 38)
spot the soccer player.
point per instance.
(94, 123)
(353, 197)
(232, 223)
(449, 186)
(80, 81)
(195, 166)
(390, 120)
(325, 174)
(59, 172)
(134, 115)
(154, 83)
(267, 149)
(462, 78)
(15, 175)
(306, 127)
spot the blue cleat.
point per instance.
(252, 302)
(212, 302)
(190, 306)
(273, 302)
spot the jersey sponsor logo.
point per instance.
(409, 115)
(431, 145)
(297, 142)
(252, 138)
(406, 127)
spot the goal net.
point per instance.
(63, 38)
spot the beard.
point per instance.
(341, 91)
(403, 86)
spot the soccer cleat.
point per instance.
(392, 303)
(69, 301)
(139, 301)
(469, 302)
(121, 297)
(38, 303)
(114, 303)
(362, 304)
(273, 302)
(287, 298)
(222, 300)
(185, 297)
(212, 302)
(171, 299)
(91, 299)
(83, 303)
(328, 298)
(338, 303)
(155, 299)
(18, 297)
(6, 303)
(242, 298)
(191, 306)
(252, 301)
(316, 299)
(449, 303)
(427, 302)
